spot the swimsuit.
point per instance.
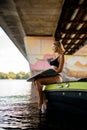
(54, 62)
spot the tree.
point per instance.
(11, 75)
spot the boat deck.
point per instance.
(70, 97)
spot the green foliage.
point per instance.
(3, 75)
(12, 75)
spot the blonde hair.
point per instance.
(59, 45)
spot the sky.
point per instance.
(11, 60)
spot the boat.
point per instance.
(67, 96)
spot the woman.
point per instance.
(57, 65)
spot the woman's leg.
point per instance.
(44, 81)
(40, 93)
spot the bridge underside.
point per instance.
(65, 20)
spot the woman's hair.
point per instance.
(59, 45)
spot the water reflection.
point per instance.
(17, 112)
(25, 116)
(14, 87)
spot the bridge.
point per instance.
(65, 20)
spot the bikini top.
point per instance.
(54, 62)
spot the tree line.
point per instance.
(12, 75)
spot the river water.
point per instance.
(19, 112)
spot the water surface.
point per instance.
(18, 112)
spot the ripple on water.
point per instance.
(19, 114)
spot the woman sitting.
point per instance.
(56, 64)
